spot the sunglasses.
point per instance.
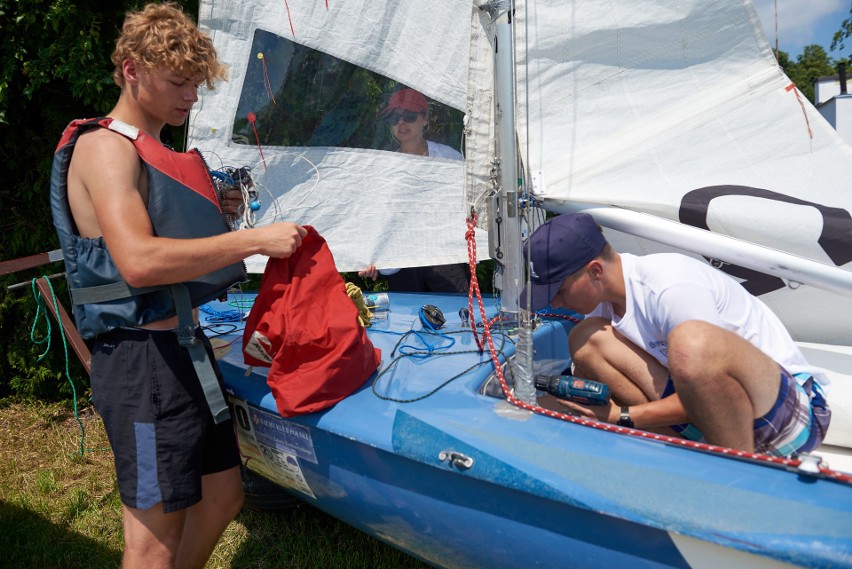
(408, 116)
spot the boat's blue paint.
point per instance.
(541, 492)
(538, 505)
(717, 499)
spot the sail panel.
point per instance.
(304, 109)
(681, 111)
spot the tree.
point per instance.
(845, 32)
(54, 67)
(783, 59)
(812, 64)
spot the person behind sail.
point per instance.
(135, 223)
(407, 115)
(680, 344)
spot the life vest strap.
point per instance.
(108, 292)
(200, 360)
(185, 333)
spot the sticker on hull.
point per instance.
(272, 445)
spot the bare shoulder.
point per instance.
(103, 158)
(102, 144)
(105, 180)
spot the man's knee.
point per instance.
(587, 333)
(691, 348)
(151, 537)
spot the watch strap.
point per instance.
(624, 420)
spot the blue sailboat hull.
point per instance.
(524, 489)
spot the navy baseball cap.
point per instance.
(556, 250)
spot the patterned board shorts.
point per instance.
(797, 421)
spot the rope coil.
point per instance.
(353, 291)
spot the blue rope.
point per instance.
(220, 316)
(415, 351)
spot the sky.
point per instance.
(804, 22)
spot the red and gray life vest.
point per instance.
(182, 204)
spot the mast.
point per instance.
(507, 212)
(776, 29)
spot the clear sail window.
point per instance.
(297, 96)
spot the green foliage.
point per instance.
(58, 53)
(54, 67)
(812, 64)
(845, 32)
(783, 60)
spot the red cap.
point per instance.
(406, 100)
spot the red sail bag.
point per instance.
(304, 327)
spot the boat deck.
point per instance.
(420, 457)
(400, 378)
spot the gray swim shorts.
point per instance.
(157, 419)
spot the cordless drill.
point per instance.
(575, 389)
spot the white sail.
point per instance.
(680, 111)
(372, 206)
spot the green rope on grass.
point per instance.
(41, 312)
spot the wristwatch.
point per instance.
(624, 420)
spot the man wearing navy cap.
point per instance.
(681, 344)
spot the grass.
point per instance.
(60, 508)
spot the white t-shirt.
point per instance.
(663, 290)
(438, 150)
